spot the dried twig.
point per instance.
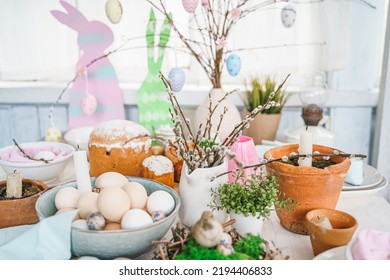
(27, 156)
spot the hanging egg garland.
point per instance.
(233, 64)
(88, 104)
(190, 5)
(177, 77)
(114, 11)
(288, 16)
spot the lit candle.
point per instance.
(14, 185)
(305, 147)
(81, 167)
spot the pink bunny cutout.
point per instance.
(95, 95)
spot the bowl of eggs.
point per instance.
(120, 220)
(42, 160)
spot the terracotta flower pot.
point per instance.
(264, 127)
(343, 227)
(310, 187)
(20, 211)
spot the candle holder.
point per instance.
(20, 211)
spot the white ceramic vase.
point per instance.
(248, 224)
(230, 120)
(195, 194)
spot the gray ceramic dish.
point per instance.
(112, 244)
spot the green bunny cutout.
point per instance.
(151, 96)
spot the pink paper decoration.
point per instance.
(245, 151)
(100, 82)
(190, 5)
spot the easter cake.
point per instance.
(158, 168)
(118, 146)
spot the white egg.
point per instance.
(113, 203)
(66, 198)
(80, 224)
(160, 201)
(114, 10)
(137, 194)
(45, 155)
(111, 179)
(87, 204)
(288, 16)
(135, 218)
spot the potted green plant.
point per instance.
(264, 126)
(249, 200)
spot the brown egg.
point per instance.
(113, 226)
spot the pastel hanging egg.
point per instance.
(288, 16)
(89, 104)
(177, 77)
(233, 64)
(53, 134)
(190, 5)
(114, 11)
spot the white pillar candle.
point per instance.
(14, 185)
(305, 147)
(81, 167)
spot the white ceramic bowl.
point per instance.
(79, 137)
(39, 170)
(110, 244)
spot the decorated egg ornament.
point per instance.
(53, 134)
(288, 16)
(190, 5)
(233, 64)
(89, 104)
(114, 11)
(178, 78)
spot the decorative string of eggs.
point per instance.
(120, 204)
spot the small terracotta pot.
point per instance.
(311, 187)
(20, 211)
(264, 127)
(343, 227)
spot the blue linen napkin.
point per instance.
(50, 239)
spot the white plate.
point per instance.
(371, 177)
(337, 253)
(348, 193)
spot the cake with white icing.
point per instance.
(158, 168)
(119, 146)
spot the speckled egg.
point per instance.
(114, 11)
(136, 218)
(111, 179)
(53, 134)
(96, 221)
(288, 16)
(157, 216)
(87, 204)
(233, 64)
(160, 201)
(137, 194)
(113, 203)
(66, 198)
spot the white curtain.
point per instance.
(35, 46)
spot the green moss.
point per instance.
(250, 245)
(193, 251)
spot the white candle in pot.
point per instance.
(81, 167)
(305, 147)
(14, 185)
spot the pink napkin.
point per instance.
(15, 155)
(371, 245)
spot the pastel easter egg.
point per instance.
(177, 77)
(233, 64)
(53, 134)
(190, 5)
(288, 16)
(88, 104)
(114, 11)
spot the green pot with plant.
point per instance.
(264, 126)
(249, 200)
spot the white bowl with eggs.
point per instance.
(58, 155)
(111, 244)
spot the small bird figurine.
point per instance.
(207, 231)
